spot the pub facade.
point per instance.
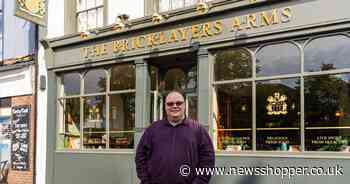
(269, 80)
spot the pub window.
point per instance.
(278, 114)
(233, 116)
(233, 64)
(327, 112)
(69, 100)
(327, 53)
(278, 59)
(102, 116)
(89, 14)
(232, 101)
(283, 100)
(122, 106)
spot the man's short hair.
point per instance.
(175, 91)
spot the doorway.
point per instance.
(176, 72)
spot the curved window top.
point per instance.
(233, 64)
(278, 59)
(123, 77)
(327, 53)
(95, 81)
(71, 84)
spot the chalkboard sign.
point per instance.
(20, 138)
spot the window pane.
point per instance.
(277, 60)
(92, 19)
(122, 120)
(327, 53)
(327, 101)
(278, 140)
(123, 77)
(82, 21)
(190, 2)
(328, 140)
(233, 115)
(71, 84)
(99, 2)
(99, 17)
(164, 5)
(174, 79)
(175, 4)
(153, 74)
(278, 103)
(95, 136)
(90, 4)
(72, 123)
(95, 81)
(233, 105)
(232, 64)
(191, 102)
(81, 5)
(192, 78)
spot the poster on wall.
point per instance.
(20, 138)
(31, 10)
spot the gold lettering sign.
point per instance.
(193, 32)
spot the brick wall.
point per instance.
(25, 177)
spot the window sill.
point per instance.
(285, 154)
(109, 151)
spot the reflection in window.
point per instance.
(153, 74)
(327, 101)
(233, 64)
(71, 84)
(123, 77)
(191, 106)
(95, 81)
(278, 59)
(328, 140)
(327, 53)
(122, 118)
(278, 103)
(71, 133)
(95, 136)
(233, 116)
(174, 79)
(192, 78)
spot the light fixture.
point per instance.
(158, 18)
(202, 7)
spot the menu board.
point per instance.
(20, 138)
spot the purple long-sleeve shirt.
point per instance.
(163, 149)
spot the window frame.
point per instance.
(96, 8)
(253, 49)
(60, 130)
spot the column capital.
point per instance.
(202, 52)
(140, 61)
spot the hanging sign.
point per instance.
(31, 10)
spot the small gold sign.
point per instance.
(277, 104)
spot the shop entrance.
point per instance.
(176, 72)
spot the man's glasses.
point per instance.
(171, 104)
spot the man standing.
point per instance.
(171, 149)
